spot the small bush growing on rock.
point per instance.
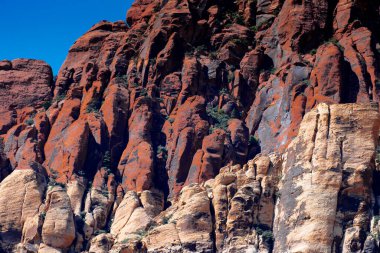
(268, 237)
(253, 28)
(107, 160)
(52, 179)
(165, 219)
(94, 106)
(223, 91)
(235, 114)
(240, 42)
(252, 140)
(59, 97)
(234, 17)
(376, 219)
(104, 192)
(29, 122)
(46, 105)
(143, 92)
(125, 241)
(100, 231)
(313, 51)
(42, 216)
(218, 117)
(162, 152)
(141, 232)
(213, 55)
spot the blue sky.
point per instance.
(46, 29)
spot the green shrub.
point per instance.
(235, 114)
(100, 231)
(143, 92)
(336, 43)
(219, 118)
(253, 141)
(107, 160)
(141, 232)
(165, 219)
(59, 97)
(376, 219)
(29, 122)
(46, 105)
(223, 91)
(268, 237)
(42, 216)
(240, 41)
(52, 179)
(93, 106)
(104, 192)
(125, 241)
(253, 28)
(213, 55)
(313, 51)
(162, 151)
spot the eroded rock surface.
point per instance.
(180, 130)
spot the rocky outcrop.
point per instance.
(24, 84)
(180, 130)
(326, 187)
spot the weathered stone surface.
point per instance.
(27, 190)
(156, 127)
(326, 187)
(23, 83)
(58, 230)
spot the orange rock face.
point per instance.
(167, 132)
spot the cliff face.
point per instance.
(198, 126)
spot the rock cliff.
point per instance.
(199, 126)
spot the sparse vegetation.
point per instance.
(235, 114)
(233, 17)
(141, 232)
(104, 192)
(100, 231)
(213, 55)
(143, 92)
(46, 105)
(268, 237)
(223, 91)
(253, 141)
(165, 219)
(306, 82)
(42, 216)
(376, 219)
(218, 117)
(59, 97)
(29, 122)
(106, 162)
(125, 241)
(240, 41)
(253, 28)
(93, 107)
(162, 152)
(265, 233)
(52, 179)
(336, 43)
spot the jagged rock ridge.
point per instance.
(180, 130)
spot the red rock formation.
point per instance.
(147, 140)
